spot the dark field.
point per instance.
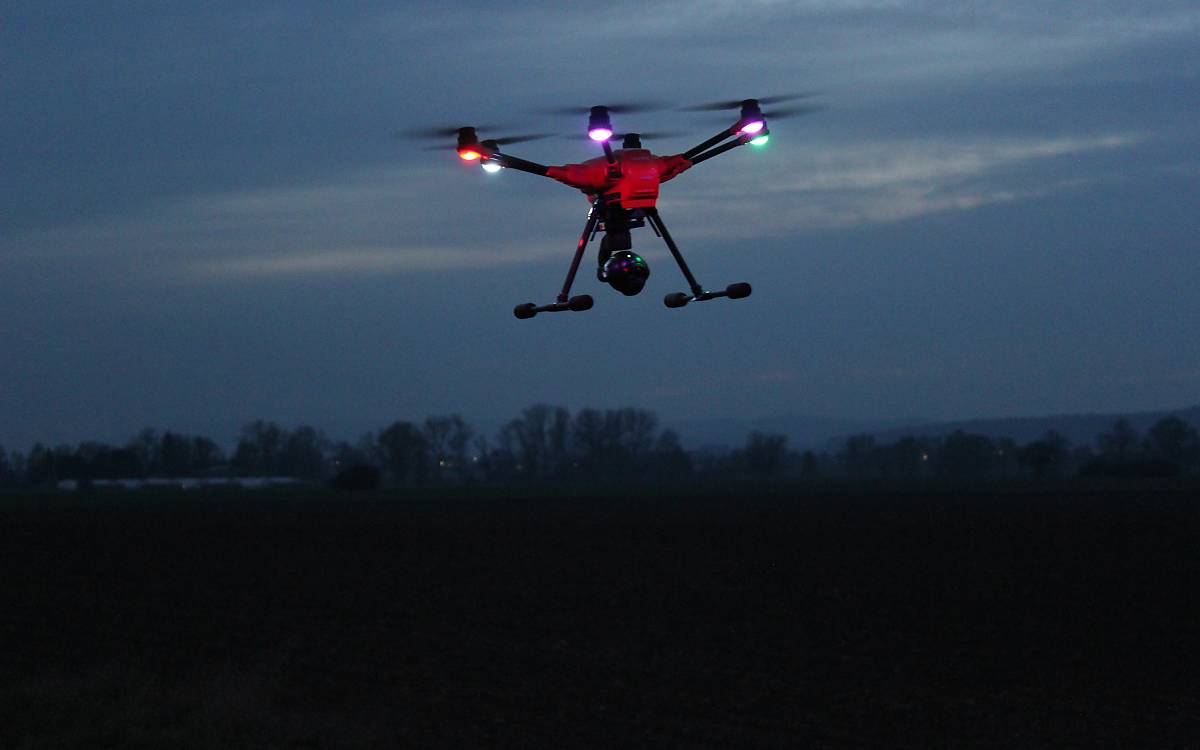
(765, 618)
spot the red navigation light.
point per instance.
(468, 144)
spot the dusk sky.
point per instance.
(205, 217)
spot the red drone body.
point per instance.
(631, 182)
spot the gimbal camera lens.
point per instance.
(626, 271)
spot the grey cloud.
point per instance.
(842, 185)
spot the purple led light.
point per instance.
(600, 134)
(753, 127)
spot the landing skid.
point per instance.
(574, 304)
(733, 291)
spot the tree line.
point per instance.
(542, 443)
(1170, 447)
(547, 443)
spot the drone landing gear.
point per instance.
(679, 299)
(564, 301)
(733, 291)
(574, 304)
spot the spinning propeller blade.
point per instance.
(652, 135)
(616, 109)
(444, 133)
(520, 138)
(439, 131)
(737, 103)
(789, 112)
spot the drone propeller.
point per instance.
(616, 109)
(788, 112)
(520, 138)
(446, 133)
(440, 131)
(653, 135)
(737, 103)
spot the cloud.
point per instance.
(845, 185)
(1143, 378)
(775, 376)
(402, 220)
(937, 160)
(390, 220)
(833, 42)
(360, 260)
(890, 372)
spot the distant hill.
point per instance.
(1080, 429)
(802, 431)
(828, 433)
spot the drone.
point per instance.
(622, 187)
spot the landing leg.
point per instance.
(661, 228)
(564, 300)
(679, 299)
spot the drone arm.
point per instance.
(741, 141)
(672, 166)
(701, 147)
(591, 177)
(513, 162)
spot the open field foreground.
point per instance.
(1010, 619)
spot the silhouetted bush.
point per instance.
(1173, 440)
(360, 478)
(965, 456)
(1135, 469)
(1047, 457)
(765, 453)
